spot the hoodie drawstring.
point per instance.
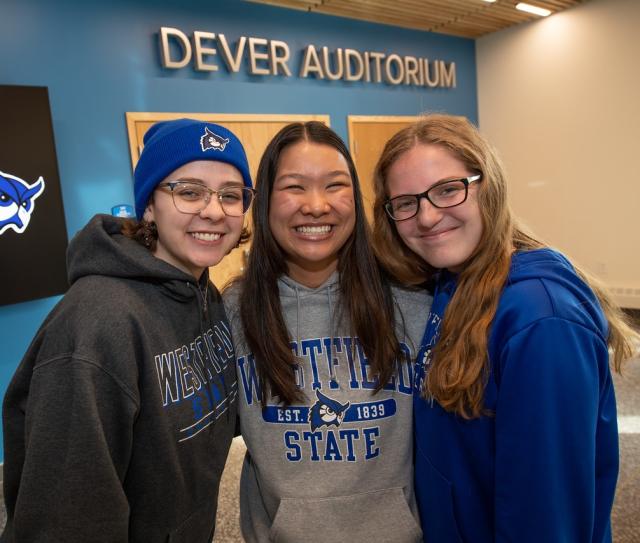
(297, 319)
(296, 290)
(332, 373)
(202, 312)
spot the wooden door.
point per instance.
(367, 137)
(254, 131)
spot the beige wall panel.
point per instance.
(559, 99)
(367, 137)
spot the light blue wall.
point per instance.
(101, 59)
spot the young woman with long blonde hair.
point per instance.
(514, 407)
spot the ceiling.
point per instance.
(466, 18)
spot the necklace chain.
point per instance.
(204, 294)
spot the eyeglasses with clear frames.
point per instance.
(191, 197)
(449, 193)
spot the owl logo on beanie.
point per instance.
(212, 141)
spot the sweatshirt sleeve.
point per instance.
(555, 425)
(78, 438)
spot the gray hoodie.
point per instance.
(339, 466)
(118, 420)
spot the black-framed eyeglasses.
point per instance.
(449, 193)
(191, 197)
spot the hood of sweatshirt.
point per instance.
(291, 288)
(101, 249)
(541, 283)
(557, 274)
(309, 300)
(559, 280)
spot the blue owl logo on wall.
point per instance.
(17, 201)
(326, 411)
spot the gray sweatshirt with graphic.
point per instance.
(339, 466)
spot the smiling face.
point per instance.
(192, 243)
(311, 209)
(444, 238)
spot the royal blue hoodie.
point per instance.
(543, 467)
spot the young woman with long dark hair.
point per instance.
(324, 383)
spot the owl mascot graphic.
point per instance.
(326, 411)
(17, 201)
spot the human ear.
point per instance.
(149, 215)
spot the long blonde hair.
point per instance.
(459, 371)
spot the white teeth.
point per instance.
(324, 229)
(205, 236)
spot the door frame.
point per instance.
(355, 119)
(133, 117)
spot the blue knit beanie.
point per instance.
(171, 144)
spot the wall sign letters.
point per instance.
(208, 51)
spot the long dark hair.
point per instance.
(365, 295)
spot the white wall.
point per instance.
(560, 99)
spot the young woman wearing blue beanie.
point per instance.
(118, 420)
